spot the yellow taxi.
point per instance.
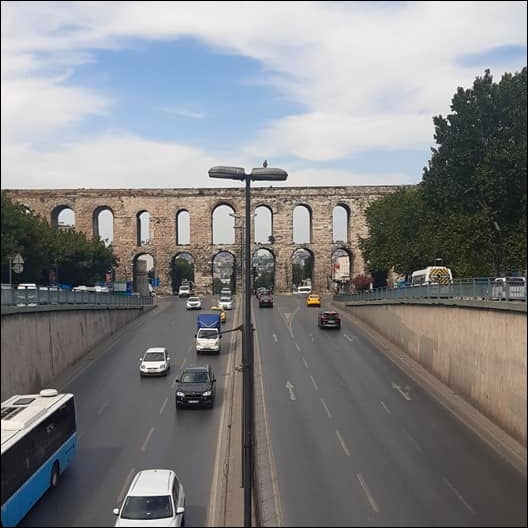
(313, 300)
(223, 315)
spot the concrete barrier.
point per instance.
(476, 350)
(39, 343)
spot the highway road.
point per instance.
(357, 443)
(127, 423)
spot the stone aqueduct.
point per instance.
(163, 205)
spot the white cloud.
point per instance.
(183, 112)
(369, 75)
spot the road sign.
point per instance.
(18, 263)
(18, 268)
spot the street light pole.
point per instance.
(259, 174)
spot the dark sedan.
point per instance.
(196, 387)
(265, 299)
(329, 319)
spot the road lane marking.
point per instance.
(351, 339)
(289, 386)
(458, 494)
(413, 440)
(404, 394)
(297, 347)
(144, 446)
(314, 384)
(305, 363)
(163, 405)
(102, 408)
(125, 486)
(274, 338)
(326, 408)
(370, 498)
(385, 407)
(342, 442)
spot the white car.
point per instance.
(226, 302)
(155, 362)
(193, 303)
(155, 498)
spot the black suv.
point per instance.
(265, 299)
(329, 319)
(196, 387)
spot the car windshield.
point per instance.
(195, 377)
(193, 299)
(225, 299)
(145, 508)
(207, 334)
(154, 356)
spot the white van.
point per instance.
(184, 290)
(304, 290)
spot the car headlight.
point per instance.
(180, 394)
(142, 367)
(207, 393)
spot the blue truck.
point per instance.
(208, 333)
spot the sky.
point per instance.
(153, 94)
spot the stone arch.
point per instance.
(223, 216)
(183, 227)
(57, 212)
(340, 223)
(108, 229)
(263, 232)
(302, 219)
(183, 267)
(302, 266)
(142, 227)
(341, 262)
(223, 271)
(263, 268)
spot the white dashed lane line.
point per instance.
(458, 494)
(342, 442)
(305, 363)
(102, 408)
(314, 384)
(384, 405)
(144, 446)
(327, 410)
(163, 405)
(370, 498)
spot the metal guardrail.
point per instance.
(465, 289)
(39, 297)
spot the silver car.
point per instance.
(155, 498)
(193, 303)
(155, 362)
(226, 302)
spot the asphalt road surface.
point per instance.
(357, 443)
(127, 423)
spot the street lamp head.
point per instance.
(268, 174)
(228, 173)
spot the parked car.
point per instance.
(265, 299)
(226, 302)
(155, 498)
(196, 386)
(220, 309)
(313, 300)
(329, 319)
(193, 303)
(155, 362)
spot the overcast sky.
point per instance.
(147, 94)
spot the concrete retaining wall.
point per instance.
(39, 344)
(480, 353)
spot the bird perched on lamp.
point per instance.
(265, 164)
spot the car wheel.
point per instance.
(55, 473)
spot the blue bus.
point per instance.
(39, 441)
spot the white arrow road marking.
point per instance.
(274, 338)
(289, 386)
(404, 393)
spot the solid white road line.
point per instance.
(125, 486)
(342, 442)
(385, 407)
(370, 498)
(458, 494)
(305, 363)
(314, 384)
(144, 446)
(163, 405)
(326, 408)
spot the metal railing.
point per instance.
(465, 289)
(39, 297)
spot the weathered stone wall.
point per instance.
(164, 204)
